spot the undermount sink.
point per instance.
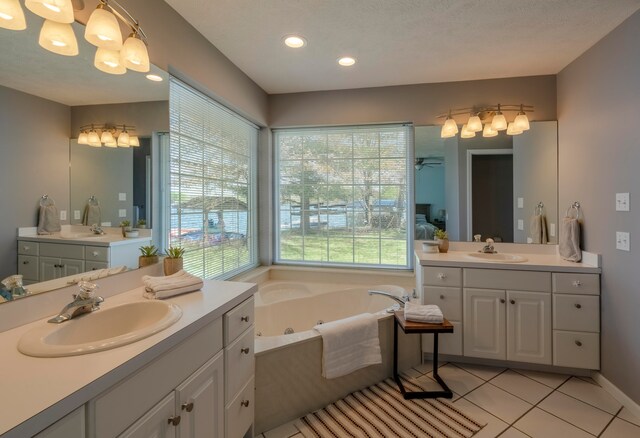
(100, 330)
(497, 257)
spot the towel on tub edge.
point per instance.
(349, 344)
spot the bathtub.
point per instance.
(289, 381)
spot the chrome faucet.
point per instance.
(488, 248)
(84, 302)
(96, 229)
(401, 300)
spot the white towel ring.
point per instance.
(46, 200)
(539, 209)
(574, 207)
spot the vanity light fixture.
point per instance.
(123, 138)
(94, 139)
(108, 135)
(58, 38)
(103, 29)
(83, 138)
(60, 11)
(12, 15)
(493, 118)
(346, 61)
(294, 41)
(108, 61)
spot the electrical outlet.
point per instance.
(122, 212)
(122, 196)
(622, 241)
(552, 230)
(63, 215)
(76, 215)
(520, 224)
(105, 224)
(520, 202)
(622, 202)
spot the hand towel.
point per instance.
(569, 243)
(538, 229)
(164, 287)
(49, 219)
(349, 344)
(92, 215)
(429, 313)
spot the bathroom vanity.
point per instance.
(542, 311)
(194, 378)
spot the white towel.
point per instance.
(48, 220)
(164, 287)
(538, 229)
(349, 344)
(429, 313)
(92, 215)
(569, 243)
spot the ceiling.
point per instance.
(70, 80)
(400, 41)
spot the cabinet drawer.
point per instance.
(239, 363)
(588, 284)
(28, 267)
(94, 266)
(27, 248)
(97, 253)
(70, 426)
(448, 343)
(449, 299)
(238, 320)
(505, 279)
(62, 251)
(576, 349)
(435, 276)
(239, 413)
(576, 312)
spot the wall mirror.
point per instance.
(503, 187)
(45, 99)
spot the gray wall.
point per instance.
(599, 155)
(34, 160)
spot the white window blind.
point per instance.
(212, 173)
(342, 196)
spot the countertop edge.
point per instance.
(512, 266)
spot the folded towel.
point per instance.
(538, 229)
(49, 219)
(569, 243)
(164, 287)
(92, 215)
(349, 344)
(429, 313)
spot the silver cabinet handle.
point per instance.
(245, 403)
(578, 306)
(579, 344)
(95, 253)
(26, 248)
(187, 406)
(442, 275)
(174, 421)
(576, 283)
(244, 318)
(245, 350)
(26, 262)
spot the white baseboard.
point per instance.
(630, 405)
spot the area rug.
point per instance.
(380, 411)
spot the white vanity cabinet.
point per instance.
(71, 426)
(443, 287)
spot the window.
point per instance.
(211, 169)
(342, 196)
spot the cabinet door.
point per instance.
(157, 423)
(71, 267)
(49, 268)
(484, 323)
(71, 426)
(201, 401)
(529, 327)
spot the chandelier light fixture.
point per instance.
(493, 118)
(110, 136)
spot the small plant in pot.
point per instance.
(126, 226)
(443, 240)
(149, 256)
(173, 262)
(142, 223)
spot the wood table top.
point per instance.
(421, 327)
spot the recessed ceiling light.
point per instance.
(346, 61)
(154, 78)
(295, 41)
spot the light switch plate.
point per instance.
(622, 241)
(63, 215)
(122, 212)
(622, 202)
(552, 230)
(520, 202)
(122, 196)
(520, 224)
(76, 215)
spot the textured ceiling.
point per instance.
(401, 41)
(70, 80)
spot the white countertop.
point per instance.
(38, 391)
(535, 262)
(109, 239)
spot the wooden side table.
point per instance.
(420, 327)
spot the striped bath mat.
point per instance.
(380, 411)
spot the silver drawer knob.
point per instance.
(576, 283)
(578, 306)
(502, 300)
(174, 421)
(512, 301)
(26, 248)
(95, 253)
(244, 318)
(579, 344)
(442, 275)
(187, 406)
(245, 403)
(26, 262)
(245, 350)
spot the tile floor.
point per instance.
(519, 403)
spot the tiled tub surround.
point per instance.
(43, 390)
(289, 381)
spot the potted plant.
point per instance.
(149, 256)
(142, 223)
(443, 240)
(173, 262)
(126, 226)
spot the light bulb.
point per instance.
(474, 124)
(449, 129)
(522, 122)
(58, 38)
(111, 144)
(60, 11)
(103, 29)
(11, 15)
(499, 123)
(134, 55)
(108, 61)
(123, 139)
(94, 139)
(512, 129)
(106, 137)
(466, 132)
(134, 141)
(83, 138)
(489, 131)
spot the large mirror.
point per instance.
(45, 101)
(503, 187)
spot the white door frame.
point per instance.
(470, 154)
